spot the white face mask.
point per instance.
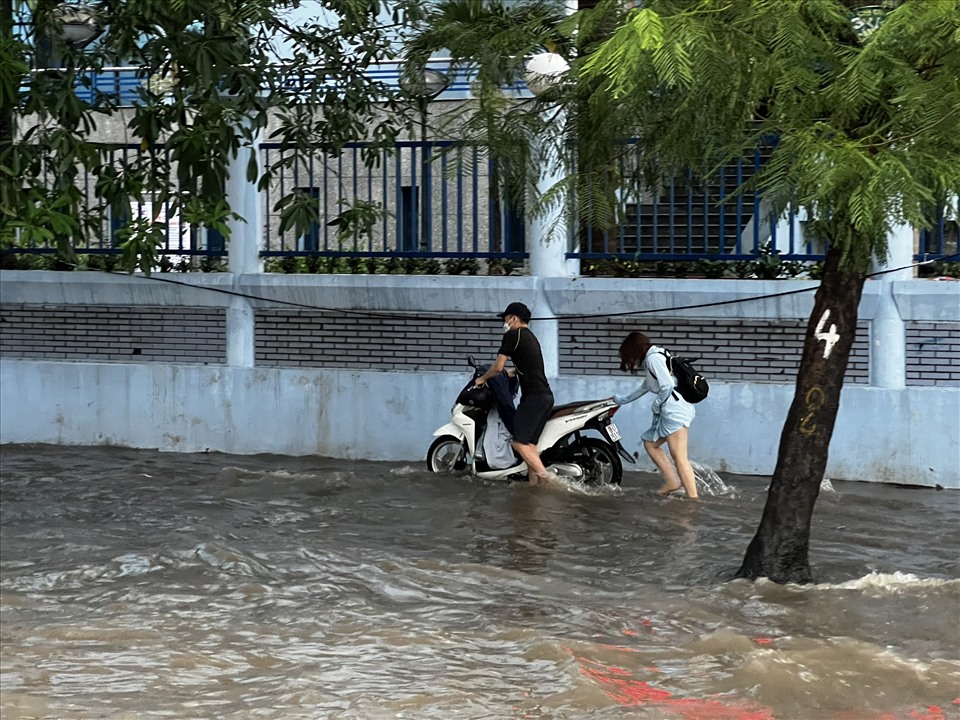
(506, 327)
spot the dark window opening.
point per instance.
(407, 218)
(514, 228)
(119, 219)
(310, 242)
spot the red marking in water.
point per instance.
(693, 709)
(619, 685)
(763, 640)
(618, 648)
(651, 668)
(625, 692)
(931, 713)
(647, 623)
(630, 632)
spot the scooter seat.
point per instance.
(567, 409)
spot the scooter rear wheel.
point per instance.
(602, 465)
(446, 454)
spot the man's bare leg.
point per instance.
(536, 472)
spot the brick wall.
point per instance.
(729, 350)
(933, 353)
(292, 338)
(109, 333)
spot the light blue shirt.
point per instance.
(657, 380)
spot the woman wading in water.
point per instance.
(672, 414)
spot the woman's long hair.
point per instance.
(633, 351)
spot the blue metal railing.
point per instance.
(941, 240)
(121, 83)
(180, 237)
(434, 199)
(417, 199)
(691, 218)
(688, 218)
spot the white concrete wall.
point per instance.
(904, 435)
(909, 436)
(921, 300)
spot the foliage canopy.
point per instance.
(216, 74)
(865, 124)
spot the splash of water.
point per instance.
(577, 487)
(709, 483)
(406, 470)
(890, 583)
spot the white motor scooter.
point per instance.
(564, 447)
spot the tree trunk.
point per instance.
(780, 549)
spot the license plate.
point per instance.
(613, 432)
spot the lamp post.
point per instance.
(888, 331)
(424, 85)
(548, 259)
(543, 72)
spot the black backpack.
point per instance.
(691, 384)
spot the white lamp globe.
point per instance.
(543, 71)
(79, 23)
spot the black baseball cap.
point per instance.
(518, 309)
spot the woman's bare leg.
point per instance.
(677, 443)
(670, 480)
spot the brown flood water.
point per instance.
(138, 584)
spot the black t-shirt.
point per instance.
(523, 348)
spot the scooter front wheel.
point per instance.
(446, 454)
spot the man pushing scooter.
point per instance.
(520, 345)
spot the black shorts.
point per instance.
(532, 415)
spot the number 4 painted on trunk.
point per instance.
(830, 337)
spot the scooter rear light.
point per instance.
(604, 417)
